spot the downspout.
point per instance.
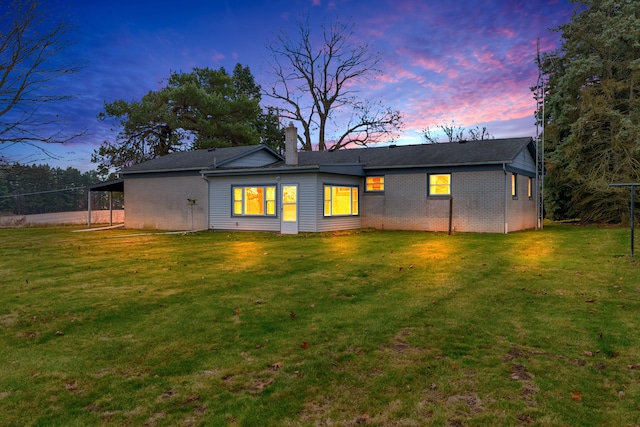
(506, 198)
(206, 207)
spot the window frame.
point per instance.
(354, 205)
(265, 202)
(430, 192)
(380, 183)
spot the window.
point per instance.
(340, 200)
(260, 201)
(530, 188)
(375, 184)
(440, 184)
(514, 185)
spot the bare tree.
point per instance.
(31, 47)
(455, 133)
(318, 87)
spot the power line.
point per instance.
(43, 192)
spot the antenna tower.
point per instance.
(539, 96)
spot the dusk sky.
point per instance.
(471, 61)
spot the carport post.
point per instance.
(89, 207)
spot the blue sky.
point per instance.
(471, 61)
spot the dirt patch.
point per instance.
(399, 343)
(8, 319)
(529, 388)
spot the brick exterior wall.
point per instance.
(161, 203)
(478, 204)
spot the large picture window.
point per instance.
(340, 200)
(255, 201)
(440, 184)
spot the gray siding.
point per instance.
(336, 222)
(259, 158)
(161, 202)
(220, 217)
(524, 161)
(310, 203)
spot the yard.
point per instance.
(373, 328)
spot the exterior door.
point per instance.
(289, 217)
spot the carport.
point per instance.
(116, 185)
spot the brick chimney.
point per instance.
(291, 145)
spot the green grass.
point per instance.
(390, 328)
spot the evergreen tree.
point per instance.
(202, 109)
(592, 112)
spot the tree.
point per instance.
(317, 86)
(31, 52)
(201, 109)
(592, 112)
(456, 133)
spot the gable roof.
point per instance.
(198, 159)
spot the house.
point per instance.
(476, 186)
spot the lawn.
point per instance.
(373, 328)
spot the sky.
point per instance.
(467, 61)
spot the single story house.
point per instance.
(475, 186)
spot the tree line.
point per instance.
(37, 189)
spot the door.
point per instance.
(289, 217)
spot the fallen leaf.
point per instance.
(168, 394)
(264, 384)
(363, 419)
(73, 387)
(59, 333)
(590, 300)
(190, 399)
(293, 315)
(588, 354)
(277, 366)
(636, 366)
(305, 345)
(576, 395)
(237, 311)
(432, 386)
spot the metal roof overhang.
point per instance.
(114, 185)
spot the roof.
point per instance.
(195, 160)
(493, 151)
(485, 152)
(114, 185)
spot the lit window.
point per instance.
(514, 185)
(375, 183)
(340, 200)
(440, 184)
(260, 201)
(530, 188)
